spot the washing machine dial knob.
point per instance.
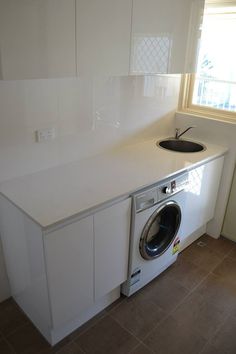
(166, 190)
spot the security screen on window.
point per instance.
(215, 81)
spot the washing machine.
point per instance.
(156, 226)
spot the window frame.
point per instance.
(186, 105)
(188, 81)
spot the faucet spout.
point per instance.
(178, 134)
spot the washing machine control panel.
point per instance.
(170, 188)
(152, 196)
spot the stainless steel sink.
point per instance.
(180, 145)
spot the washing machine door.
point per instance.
(160, 230)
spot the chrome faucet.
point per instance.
(178, 134)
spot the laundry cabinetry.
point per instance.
(70, 270)
(137, 37)
(63, 276)
(201, 193)
(62, 38)
(103, 36)
(165, 36)
(111, 247)
(37, 39)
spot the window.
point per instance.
(213, 88)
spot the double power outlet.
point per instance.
(43, 135)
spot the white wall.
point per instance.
(221, 133)
(89, 115)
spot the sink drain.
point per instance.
(201, 244)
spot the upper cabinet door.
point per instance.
(103, 30)
(165, 36)
(37, 39)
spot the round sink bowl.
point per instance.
(180, 145)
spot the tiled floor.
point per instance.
(189, 309)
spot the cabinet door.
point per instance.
(162, 33)
(201, 194)
(69, 259)
(103, 31)
(112, 229)
(37, 39)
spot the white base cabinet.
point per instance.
(63, 277)
(111, 227)
(23, 248)
(69, 260)
(201, 194)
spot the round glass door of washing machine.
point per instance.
(160, 230)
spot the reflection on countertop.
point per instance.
(58, 193)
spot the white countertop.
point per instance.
(56, 194)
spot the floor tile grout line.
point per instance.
(10, 345)
(228, 254)
(185, 297)
(209, 341)
(20, 327)
(129, 299)
(218, 263)
(231, 250)
(141, 341)
(232, 258)
(108, 313)
(116, 306)
(178, 305)
(225, 256)
(212, 250)
(82, 350)
(133, 349)
(127, 330)
(151, 351)
(223, 259)
(216, 253)
(131, 333)
(190, 291)
(90, 327)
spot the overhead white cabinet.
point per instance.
(61, 38)
(165, 36)
(37, 39)
(103, 36)
(112, 228)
